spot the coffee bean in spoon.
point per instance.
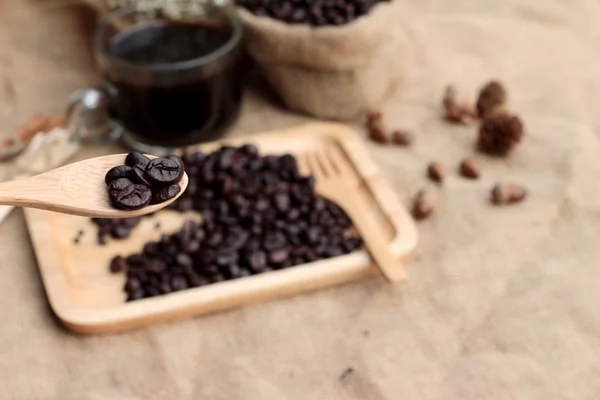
(138, 175)
(164, 193)
(136, 158)
(120, 171)
(163, 171)
(118, 184)
(133, 197)
(178, 160)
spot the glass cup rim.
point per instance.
(103, 23)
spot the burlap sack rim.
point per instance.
(324, 39)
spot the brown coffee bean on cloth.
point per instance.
(402, 138)
(436, 172)
(508, 193)
(468, 168)
(425, 203)
(377, 127)
(258, 214)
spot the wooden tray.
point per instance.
(88, 299)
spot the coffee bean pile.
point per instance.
(142, 181)
(312, 12)
(258, 214)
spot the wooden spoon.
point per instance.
(76, 189)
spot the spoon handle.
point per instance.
(39, 191)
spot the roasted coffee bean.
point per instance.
(101, 240)
(151, 249)
(197, 281)
(352, 243)
(436, 172)
(402, 138)
(152, 291)
(163, 171)
(178, 283)
(469, 169)
(118, 184)
(227, 258)
(156, 266)
(136, 158)
(120, 232)
(132, 285)
(425, 204)
(191, 159)
(120, 171)
(135, 295)
(184, 205)
(377, 128)
(278, 256)
(132, 197)
(136, 260)
(282, 202)
(118, 264)
(250, 150)
(508, 193)
(178, 160)
(257, 260)
(138, 175)
(165, 193)
(184, 260)
(216, 278)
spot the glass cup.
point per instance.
(167, 83)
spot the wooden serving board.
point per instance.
(87, 298)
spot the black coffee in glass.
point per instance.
(174, 83)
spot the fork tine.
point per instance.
(323, 163)
(338, 160)
(328, 163)
(302, 164)
(313, 165)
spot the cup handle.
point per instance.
(88, 116)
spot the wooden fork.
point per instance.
(333, 174)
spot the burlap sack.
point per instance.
(329, 72)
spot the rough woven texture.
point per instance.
(502, 303)
(330, 72)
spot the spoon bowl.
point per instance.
(76, 189)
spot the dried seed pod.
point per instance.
(500, 133)
(507, 193)
(436, 172)
(461, 113)
(491, 97)
(424, 204)
(376, 127)
(469, 169)
(402, 138)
